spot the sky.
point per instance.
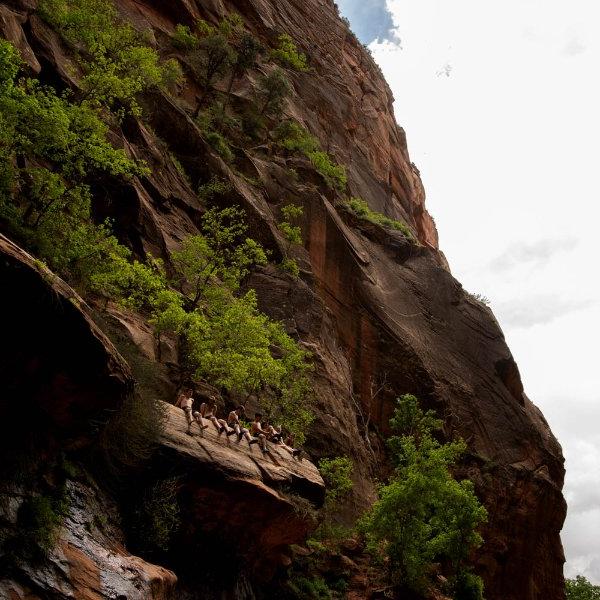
(500, 101)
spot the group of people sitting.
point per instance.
(261, 431)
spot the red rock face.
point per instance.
(381, 316)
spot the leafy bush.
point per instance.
(467, 586)
(293, 137)
(423, 515)
(292, 234)
(118, 65)
(184, 39)
(287, 54)
(361, 209)
(336, 473)
(157, 517)
(47, 208)
(215, 187)
(273, 88)
(40, 518)
(305, 588)
(581, 589)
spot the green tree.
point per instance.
(287, 54)
(273, 88)
(293, 137)
(117, 63)
(223, 251)
(423, 515)
(292, 234)
(581, 589)
(47, 208)
(247, 51)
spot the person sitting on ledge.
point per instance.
(233, 422)
(208, 411)
(273, 434)
(278, 438)
(257, 432)
(185, 401)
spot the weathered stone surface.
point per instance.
(89, 561)
(232, 488)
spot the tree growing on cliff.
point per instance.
(423, 515)
(117, 62)
(273, 89)
(581, 589)
(292, 234)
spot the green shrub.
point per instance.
(581, 589)
(293, 137)
(40, 518)
(334, 175)
(361, 209)
(273, 89)
(184, 39)
(117, 62)
(287, 54)
(314, 588)
(157, 517)
(215, 187)
(220, 145)
(336, 473)
(423, 515)
(468, 586)
(290, 265)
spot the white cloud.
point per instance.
(537, 310)
(538, 253)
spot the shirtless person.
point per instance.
(185, 401)
(282, 444)
(208, 411)
(257, 432)
(233, 422)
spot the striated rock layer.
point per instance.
(383, 317)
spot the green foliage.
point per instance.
(117, 63)
(423, 515)
(290, 265)
(273, 88)
(287, 54)
(336, 473)
(467, 586)
(361, 209)
(293, 137)
(313, 588)
(480, 298)
(223, 251)
(184, 39)
(157, 517)
(581, 589)
(292, 234)
(334, 174)
(212, 122)
(46, 203)
(215, 187)
(40, 518)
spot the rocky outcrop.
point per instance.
(381, 316)
(89, 560)
(58, 371)
(257, 502)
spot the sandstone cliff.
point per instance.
(382, 316)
